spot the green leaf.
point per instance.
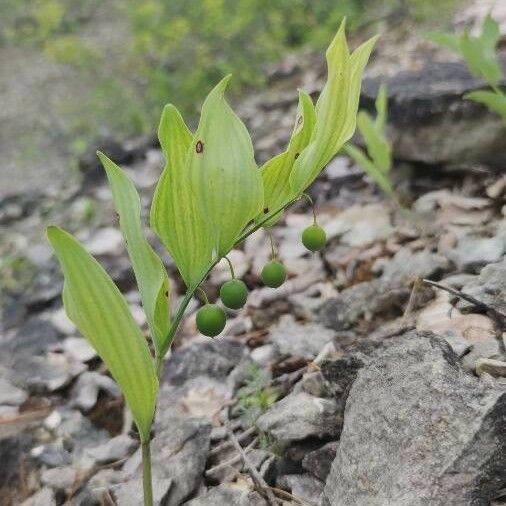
(336, 110)
(148, 268)
(493, 100)
(176, 216)
(490, 34)
(276, 172)
(377, 144)
(369, 168)
(381, 108)
(97, 308)
(479, 62)
(224, 175)
(447, 40)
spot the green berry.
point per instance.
(211, 320)
(234, 293)
(274, 274)
(314, 238)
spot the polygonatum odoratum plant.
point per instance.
(211, 195)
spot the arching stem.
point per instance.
(273, 249)
(231, 266)
(204, 295)
(311, 202)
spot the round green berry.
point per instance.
(274, 274)
(314, 238)
(211, 320)
(234, 293)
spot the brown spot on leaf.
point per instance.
(300, 119)
(199, 147)
(266, 210)
(297, 155)
(166, 293)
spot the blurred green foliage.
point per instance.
(133, 56)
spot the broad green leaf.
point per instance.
(377, 144)
(336, 110)
(223, 172)
(276, 172)
(97, 308)
(176, 216)
(447, 40)
(493, 100)
(369, 168)
(148, 268)
(490, 34)
(480, 64)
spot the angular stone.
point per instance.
(363, 301)
(214, 359)
(473, 253)
(418, 430)
(130, 493)
(489, 287)
(115, 449)
(407, 265)
(495, 368)
(298, 340)
(299, 416)
(223, 495)
(89, 384)
(303, 486)
(11, 395)
(44, 497)
(318, 462)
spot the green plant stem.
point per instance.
(231, 266)
(147, 482)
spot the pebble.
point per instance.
(11, 395)
(85, 391)
(106, 242)
(115, 449)
(62, 323)
(496, 368)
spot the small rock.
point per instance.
(472, 253)
(496, 368)
(458, 344)
(489, 287)
(303, 486)
(300, 415)
(115, 449)
(79, 349)
(298, 340)
(318, 462)
(52, 372)
(62, 323)
(363, 301)
(406, 265)
(52, 455)
(214, 359)
(44, 497)
(106, 242)
(224, 495)
(130, 493)
(11, 395)
(265, 355)
(89, 384)
(60, 478)
(315, 384)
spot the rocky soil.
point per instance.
(356, 383)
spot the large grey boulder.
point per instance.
(432, 123)
(419, 430)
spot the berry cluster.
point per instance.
(211, 318)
